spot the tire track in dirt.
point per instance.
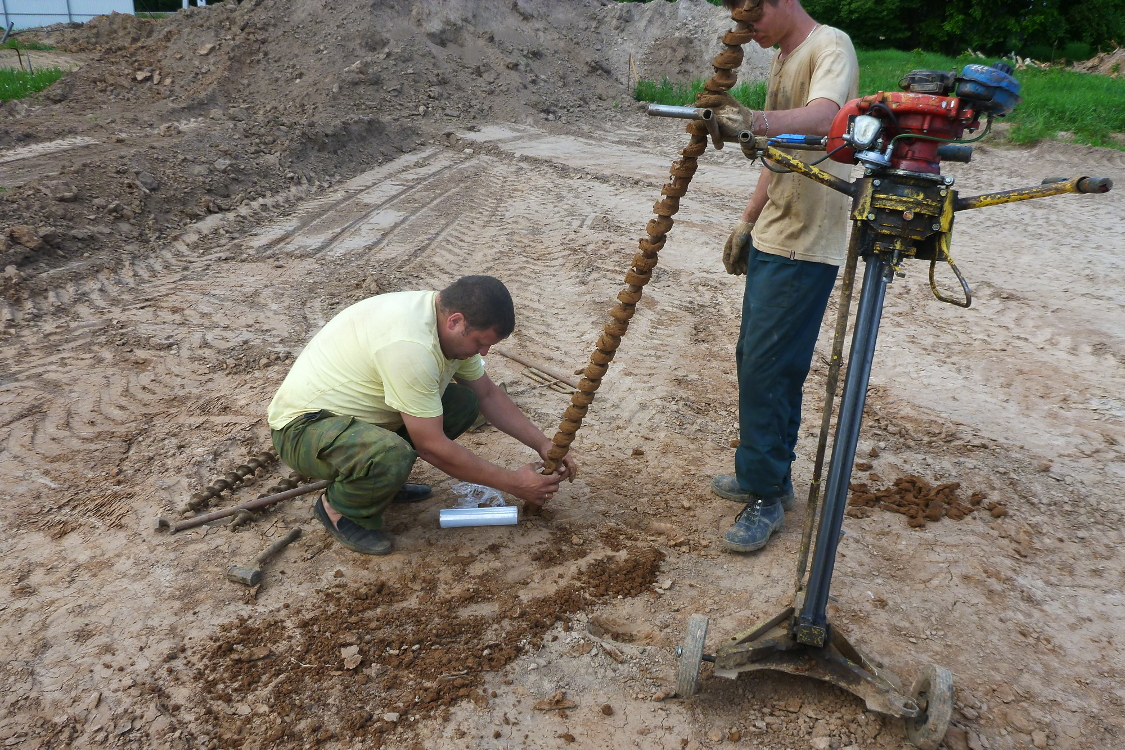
(97, 403)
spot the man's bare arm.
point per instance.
(498, 409)
(815, 118)
(434, 447)
(504, 415)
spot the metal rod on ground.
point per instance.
(261, 502)
(546, 381)
(535, 366)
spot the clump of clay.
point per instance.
(919, 501)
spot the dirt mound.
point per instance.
(389, 653)
(199, 113)
(918, 500)
(1105, 63)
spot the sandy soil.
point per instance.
(41, 59)
(136, 370)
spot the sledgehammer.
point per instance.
(251, 574)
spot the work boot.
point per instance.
(727, 487)
(350, 534)
(412, 493)
(754, 525)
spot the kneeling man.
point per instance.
(371, 393)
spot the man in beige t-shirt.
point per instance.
(789, 243)
(372, 392)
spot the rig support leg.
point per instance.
(812, 622)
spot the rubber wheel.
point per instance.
(933, 692)
(691, 656)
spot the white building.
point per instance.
(26, 14)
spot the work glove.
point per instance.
(732, 116)
(737, 248)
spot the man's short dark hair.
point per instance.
(484, 301)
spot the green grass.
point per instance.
(1056, 100)
(16, 84)
(752, 94)
(13, 43)
(153, 16)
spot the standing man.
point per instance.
(789, 243)
(371, 393)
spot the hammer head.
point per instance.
(245, 576)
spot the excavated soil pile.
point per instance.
(386, 654)
(919, 501)
(220, 105)
(1105, 63)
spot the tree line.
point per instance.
(1042, 29)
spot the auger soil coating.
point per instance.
(640, 272)
(230, 480)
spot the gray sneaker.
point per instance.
(754, 526)
(726, 487)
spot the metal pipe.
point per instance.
(812, 625)
(69, 16)
(261, 502)
(535, 366)
(1073, 185)
(7, 31)
(682, 113)
(955, 152)
(835, 363)
(451, 518)
(808, 170)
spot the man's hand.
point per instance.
(568, 468)
(736, 251)
(532, 487)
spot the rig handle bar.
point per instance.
(1051, 186)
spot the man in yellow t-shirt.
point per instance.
(372, 392)
(789, 243)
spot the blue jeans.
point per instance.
(782, 309)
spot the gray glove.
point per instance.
(737, 248)
(733, 117)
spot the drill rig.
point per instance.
(902, 208)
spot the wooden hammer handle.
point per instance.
(276, 547)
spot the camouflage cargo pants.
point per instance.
(367, 464)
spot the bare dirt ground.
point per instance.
(135, 369)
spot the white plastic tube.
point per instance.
(450, 518)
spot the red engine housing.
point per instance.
(902, 112)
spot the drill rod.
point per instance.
(261, 502)
(843, 313)
(812, 622)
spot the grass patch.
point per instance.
(16, 84)
(750, 93)
(1092, 107)
(153, 16)
(13, 43)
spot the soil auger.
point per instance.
(902, 208)
(639, 273)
